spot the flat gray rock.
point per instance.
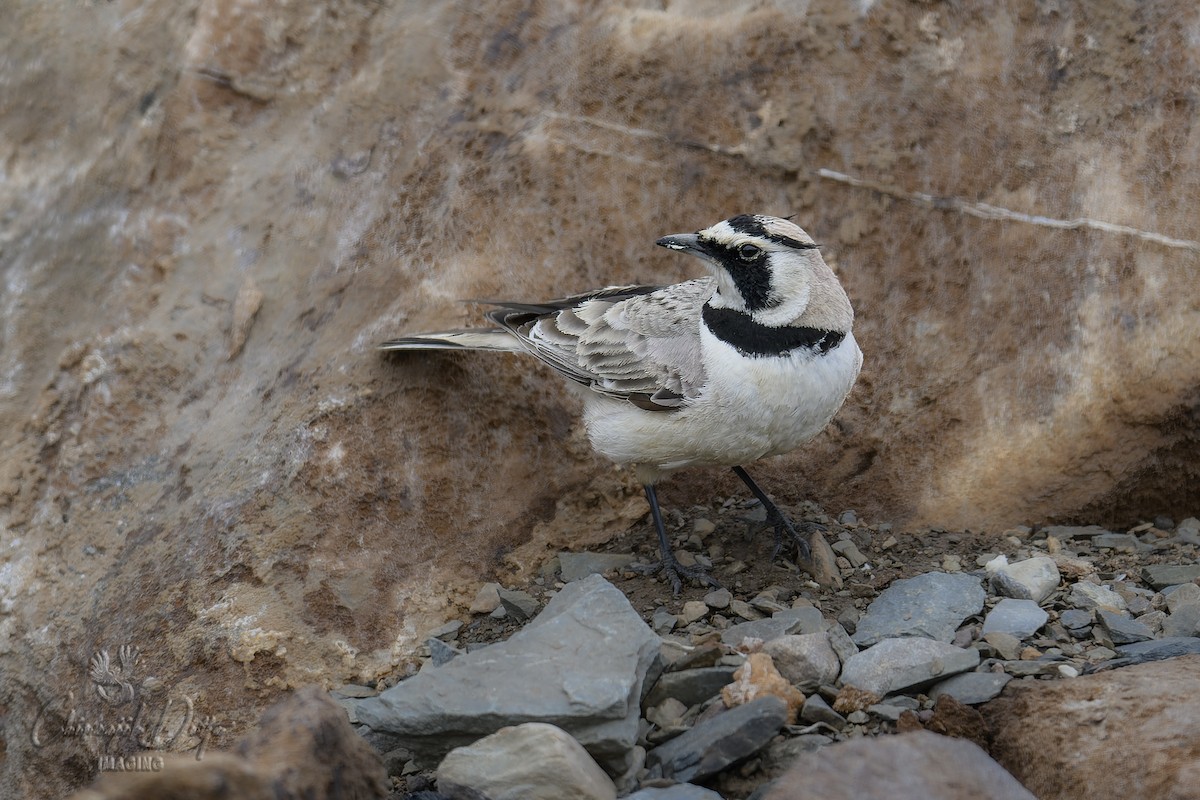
(1090, 595)
(690, 686)
(519, 605)
(972, 688)
(1159, 649)
(781, 623)
(1161, 576)
(718, 742)
(580, 665)
(1121, 628)
(931, 606)
(894, 665)
(533, 761)
(1021, 618)
(574, 566)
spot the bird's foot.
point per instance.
(784, 528)
(675, 572)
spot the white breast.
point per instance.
(748, 409)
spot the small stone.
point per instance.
(850, 551)
(895, 665)
(1025, 669)
(744, 610)
(718, 599)
(932, 605)
(757, 678)
(1183, 621)
(519, 605)
(663, 621)
(487, 599)
(692, 611)
(1007, 645)
(972, 688)
(848, 518)
(1032, 579)
(703, 526)
(1121, 629)
(667, 714)
(816, 710)
(1181, 596)
(1021, 618)
(1089, 595)
(691, 686)
(1153, 620)
(889, 543)
(841, 643)
(1067, 671)
(1076, 618)
(951, 563)
(807, 661)
(1161, 576)
(441, 653)
(533, 761)
(574, 566)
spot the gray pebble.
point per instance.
(932, 605)
(895, 665)
(1021, 618)
(1183, 621)
(972, 687)
(1121, 629)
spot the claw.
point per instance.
(668, 564)
(782, 525)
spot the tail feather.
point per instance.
(465, 339)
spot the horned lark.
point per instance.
(751, 361)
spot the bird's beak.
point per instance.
(686, 242)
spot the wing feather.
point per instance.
(636, 343)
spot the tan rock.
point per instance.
(299, 745)
(758, 677)
(1132, 732)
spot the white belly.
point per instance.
(749, 408)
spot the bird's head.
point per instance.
(771, 269)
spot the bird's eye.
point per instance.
(748, 252)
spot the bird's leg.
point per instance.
(669, 565)
(776, 519)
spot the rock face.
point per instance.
(213, 209)
(1060, 738)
